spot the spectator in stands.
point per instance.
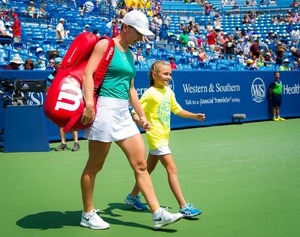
(285, 66)
(50, 65)
(31, 10)
(63, 146)
(239, 45)
(200, 42)
(230, 47)
(247, 3)
(241, 58)
(217, 23)
(203, 57)
(172, 63)
(254, 49)
(295, 66)
(2, 25)
(217, 53)
(182, 26)
(52, 54)
(16, 28)
(155, 28)
(280, 18)
(207, 8)
(274, 19)
(295, 4)
(115, 29)
(246, 19)
(147, 53)
(253, 3)
(166, 19)
(42, 11)
(295, 52)
(196, 28)
(261, 60)
(3, 33)
(86, 28)
(224, 3)
(222, 41)
(40, 62)
(14, 64)
(190, 26)
(82, 10)
(234, 4)
(272, 2)
(211, 40)
(236, 33)
(264, 46)
(163, 35)
(60, 31)
(295, 36)
(184, 38)
(268, 59)
(193, 38)
(280, 52)
(138, 55)
(246, 45)
(263, 3)
(249, 63)
(28, 65)
(158, 19)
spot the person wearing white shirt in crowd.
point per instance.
(295, 36)
(246, 46)
(272, 2)
(60, 31)
(224, 3)
(167, 20)
(2, 26)
(158, 19)
(239, 45)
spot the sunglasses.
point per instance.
(51, 62)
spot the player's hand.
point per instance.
(88, 115)
(144, 124)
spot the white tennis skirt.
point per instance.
(113, 121)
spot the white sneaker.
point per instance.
(162, 218)
(93, 221)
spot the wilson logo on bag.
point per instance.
(64, 103)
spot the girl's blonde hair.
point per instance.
(155, 68)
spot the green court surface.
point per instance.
(245, 178)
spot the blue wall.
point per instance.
(218, 94)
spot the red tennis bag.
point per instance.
(64, 102)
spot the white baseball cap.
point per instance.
(139, 21)
(17, 60)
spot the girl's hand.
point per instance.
(200, 117)
(144, 124)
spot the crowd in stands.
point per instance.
(188, 42)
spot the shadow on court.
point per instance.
(55, 219)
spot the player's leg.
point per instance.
(97, 154)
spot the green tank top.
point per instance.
(277, 89)
(119, 75)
